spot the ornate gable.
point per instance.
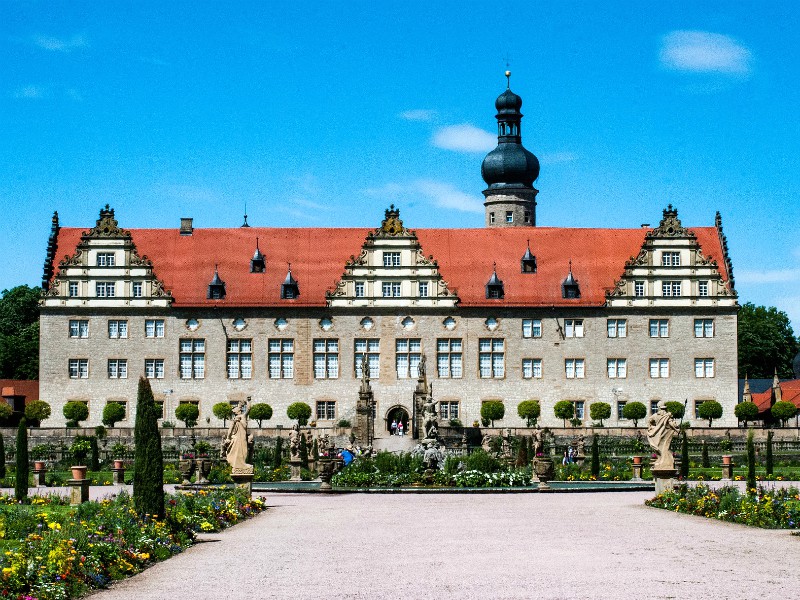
(391, 270)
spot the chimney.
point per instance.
(186, 226)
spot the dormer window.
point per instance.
(569, 287)
(528, 262)
(289, 288)
(494, 287)
(258, 263)
(216, 289)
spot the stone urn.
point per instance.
(204, 465)
(326, 467)
(78, 472)
(186, 467)
(544, 470)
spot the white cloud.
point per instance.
(439, 193)
(464, 138)
(704, 52)
(418, 114)
(557, 157)
(781, 276)
(30, 92)
(58, 44)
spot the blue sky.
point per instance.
(323, 113)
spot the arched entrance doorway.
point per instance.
(398, 414)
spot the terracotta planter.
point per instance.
(726, 459)
(637, 460)
(119, 464)
(38, 465)
(79, 472)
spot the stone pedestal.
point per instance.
(78, 491)
(326, 467)
(119, 476)
(244, 481)
(664, 480)
(727, 468)
(637, 472)
(39, 478)
(363, 427)
(294, 465)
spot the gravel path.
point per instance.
(413, 546)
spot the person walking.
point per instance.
(394, 427)
(400, 428)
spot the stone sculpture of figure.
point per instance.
(324, 445)
(536, 442)
(506, 445)
(430, 418)
(422, 367)
(580, 445)
(294, 442)
(236, 441)
(486, 443)
(660, 431)
(433, 456)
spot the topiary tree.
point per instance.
(300, 412)
(223, 411)
(260, 412)
(5, 411)
(751, 462)
(113, 412)
(710, 409)
(599, 411)
(769, 453)
(188, 413)
(746, 411)
(148, 465)
(75, 412)
(564, 410)
(2, 457)
(675, 408)
(684, 455)
(22, 466)
(530, 411)
(635, 411)
(493, 410)
(783, 411)
(37, 411)
(595, 457)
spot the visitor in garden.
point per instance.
(347, 456)
(394, 426)
(400, 428)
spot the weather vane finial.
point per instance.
(508, 72)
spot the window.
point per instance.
(703, 367)
(527, 216)
(448, 409)
(531, 328)
(105, 259)
(423, 289)
(704, 328)
(391, 289)
(117, 368)
(154, 368)
(620, 409)
(154, 328)
(240, 359)
(638, 289)
(659, 367)
(491, 357)
(73, 289)
(659, 328)
(391, 259)
(702, 288)
(78, 368)
(574, 368)
(359, 289)
(654, 406)
(281, 359)
(617, 328)
(326, 359)
(509, 216)
(192, 359)
(326, 410)
(78, 329)
(448, 358)
(617, 368)
(573, 328)
(137, 289)
(117, 329)
(579, 408)
(670, 289)
(531, 368)
(105, 289)
(491, 218)
(371, 349)
(408, 353)
(670, 259)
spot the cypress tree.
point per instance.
(148, 473)
(595, 457)
(522, 455)
(769, 453)
(278, 458)
(684, 455)
(94, 465)
(303, 451)
(751, 462)
(2, 457)
(705, 460)
(23, 468)
(315, 451)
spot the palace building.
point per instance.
(512, 311)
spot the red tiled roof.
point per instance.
(185, 264)
(790, 392)
(19, 387)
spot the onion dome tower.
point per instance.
(510, 170)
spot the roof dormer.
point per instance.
(528, 262)
(258, 263)
(289, 288)
(494, 287)
(216, 289)
(569, 287)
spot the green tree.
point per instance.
(493, 410)
(598, 411)
(22, 467)
(303, 451)
(300, 412)
(113, 412)
(564, 410)
(148, 465)
(530, 411)
(94, 453)
(710, 409)
(766, 342)
(751, 461)
(635, 411)
(188, 413)
(704, 460)
(278, 458)
(595, 457)
(783, 411)
(260, 412)
(37, 411)
(2, 457)
(223, 411)
(746, 411)
(676, 408)
(19, 333)
(75, 412)
(5, 411)
(684, 455)
(769, 453)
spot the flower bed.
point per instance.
(770, 509)
(54, 552)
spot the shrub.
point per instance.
(564, 410)
(300, 412)
(22, 467)
(783, 411)
(769, 464)
(343, 423)
(751, 462)
(303, 451)
(5, 411)
(75, 412)
(480, 460)
(704, 460)
(278, 453)
(94, 453)
(492, 410)
(710, 409)
(223, 411)
(260, 412)
(675, 408)
(188, 413)
(635, 411)
(530, 411)
(746, 411)
(113, 412)
(599, 411)
(80, 449)
(595, 457)
(118, 450)
(2, 457)
(148, 470)
(456, 423)
(684, 455)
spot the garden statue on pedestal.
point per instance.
(660, 431)
(236, 442)
(430, 419)
(294, 452)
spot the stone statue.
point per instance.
(422, 367)
(430, 418)
(506, 446)
(365, 387)
(486, 443)
(433, 456)
(537, 443)
(323, 445)
(294, 442)
(236, 442)
(580, 445)
(660, 431)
